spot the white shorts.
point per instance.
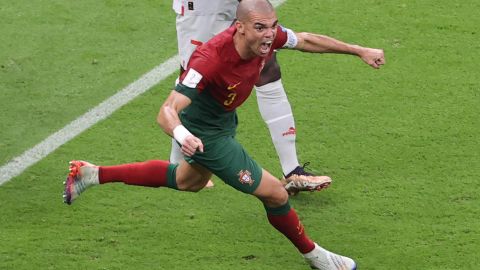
(195, 27)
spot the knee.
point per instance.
(282, 197)
(277, 198)
(190, 186)
(192, 189)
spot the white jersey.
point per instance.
(205, 7)
(198, 21)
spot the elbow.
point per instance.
(161, 116)
(166, 117)
(304, 42)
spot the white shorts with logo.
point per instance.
(198, 21)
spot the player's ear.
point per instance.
(240, 27)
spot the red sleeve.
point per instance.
(200, 70)
(281, 38)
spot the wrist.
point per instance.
(180, 133)
(356, 50)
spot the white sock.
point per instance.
(277, 114)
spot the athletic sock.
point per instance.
(277, 114)
(152, 173)
(286, 221)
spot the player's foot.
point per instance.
(320, 258)
(300, 180)
(209, 184)
(82, 175)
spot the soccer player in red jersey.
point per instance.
(196, 23)
(201, 115)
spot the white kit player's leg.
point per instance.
(176, 153)
(277, 114)
(197, 27)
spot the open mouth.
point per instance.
(265, 47)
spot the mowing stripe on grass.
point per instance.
(18, 164)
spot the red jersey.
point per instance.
(217, 81)
(216, 67)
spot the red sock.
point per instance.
(152, 173)
(290, 226)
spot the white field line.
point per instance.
(20, 163)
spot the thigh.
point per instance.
(227, 159)
(193, 30)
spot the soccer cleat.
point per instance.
(82, 175)
(300, 180)
(320, 258)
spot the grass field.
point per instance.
(401, 143)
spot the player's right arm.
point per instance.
(170, 123)
(191, 84)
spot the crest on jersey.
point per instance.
(245, 177)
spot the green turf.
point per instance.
(400, 142)
(58, 58)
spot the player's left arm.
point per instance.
(316, 43)
(169, 121)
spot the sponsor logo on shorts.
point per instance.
(290, 131)
(245, 177)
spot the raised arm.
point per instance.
(169, 121)
(315, 43)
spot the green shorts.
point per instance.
(227, 159)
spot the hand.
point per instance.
(373, 57)
(190, 145)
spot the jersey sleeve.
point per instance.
(197, 76)
(285, 38)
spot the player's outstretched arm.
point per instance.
(170, 123)
(316, 43)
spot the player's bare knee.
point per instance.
(277, 197)
(193, 188)
(190, 177)
(282, 197)
(193, 185)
